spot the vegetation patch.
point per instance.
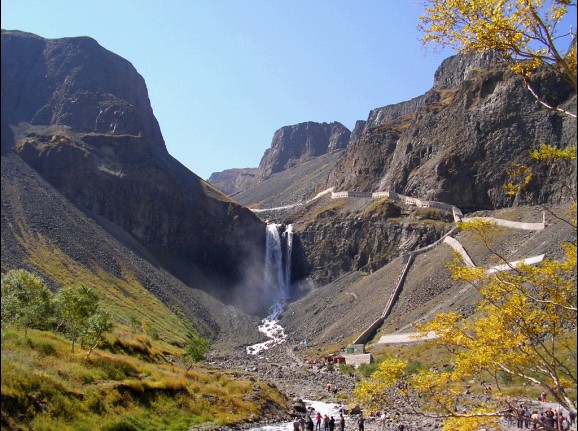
(383, 208)
(113, 391)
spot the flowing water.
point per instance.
(313, 407)
(278, 282)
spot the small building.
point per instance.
(339, 359)
(355, 355)
(357, 360)
(355, 349)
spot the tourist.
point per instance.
(400, 426)
(550, 421)
(535, 419)
(332, 424)
(296, 424)
(302, 423)
(328, 388)
(318, 422)
(310, 424)
(543, 397)
(520, 417)
(527, 416)
(341, 422)
(326, 423)
(571, 418)
(361, 422)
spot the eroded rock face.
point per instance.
(233, 181)
(327, 249)
(456, 143)
(83, 120)
(74, 82)
(298, 143)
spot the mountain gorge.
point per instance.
(457, 144)
(91, 195)
(81, 117)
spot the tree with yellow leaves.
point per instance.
(524, 329)
(526, 33)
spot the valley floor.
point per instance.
(281, 366)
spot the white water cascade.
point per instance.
(278, 281)
(289, 242)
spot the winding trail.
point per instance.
(448, 239)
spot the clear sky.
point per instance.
(224, 75)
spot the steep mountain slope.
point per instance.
(339, 311)
(43, 232)
(456, 143)
(81, 117)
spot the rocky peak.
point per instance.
(81, 117)
(76, 83)
(451, 73)
(456, 69)
(457, 142)
(294, 144)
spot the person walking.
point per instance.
(296, 424)
(520, 417)
(310, 425)
(332, 424)
(361, 423)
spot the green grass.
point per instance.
(124, 297)
(46, 387)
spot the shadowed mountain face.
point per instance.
(81, 117)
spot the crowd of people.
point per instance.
(329, 423)
(555, 418)
(322, 423)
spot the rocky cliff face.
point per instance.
(76, 83)
(82, 118)
(295, 144)
(456, 143)
(232, 181)
(344, 235)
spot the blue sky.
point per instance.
(223, 76)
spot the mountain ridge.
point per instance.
(81, 117)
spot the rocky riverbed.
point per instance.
(306, 387)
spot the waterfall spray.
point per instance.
(274, 279)
(288, 251)
(278, 281)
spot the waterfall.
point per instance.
(277, 281)
(278, 261)
(288, 251)
(274, 279)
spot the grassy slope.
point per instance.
(133, 383)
